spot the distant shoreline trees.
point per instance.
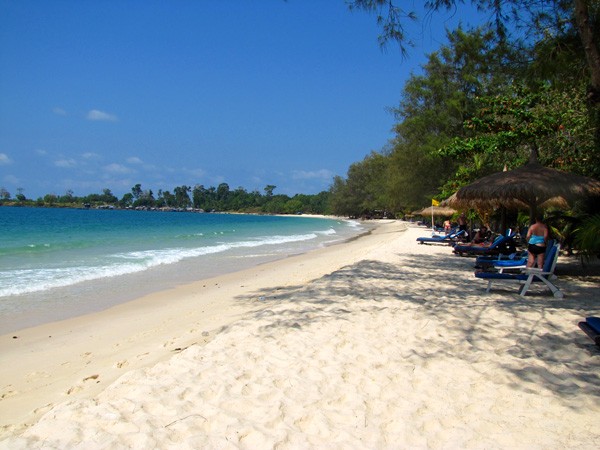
(198, 198)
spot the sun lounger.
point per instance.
(591, 327)
(513, 260)
(502, 244)
(447, 239)
(527, 275)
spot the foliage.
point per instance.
(587, 237)
(434, 106)
(364, 191)
(523, 22)
(508, 127)
(486, 100)
(220, 198)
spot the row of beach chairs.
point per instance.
(499, 261)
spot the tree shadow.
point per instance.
(545, 350)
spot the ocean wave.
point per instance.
(328, 232)
(25, 281)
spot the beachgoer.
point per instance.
(447, 226)
(481, 236)
(462, 222)
(537, 236)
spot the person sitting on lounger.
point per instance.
(537, 236)
(481, 236)
(447, 226)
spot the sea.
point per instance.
(57, 263)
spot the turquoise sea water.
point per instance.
(55, 263)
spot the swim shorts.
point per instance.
(536, 249)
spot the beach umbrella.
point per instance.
(436, 211)
(530, 186)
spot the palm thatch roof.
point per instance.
(531, 185)
(435, 211)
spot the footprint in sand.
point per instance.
(81, 386)
(8, 393)
(37, 375)
(121, 364)
(43, 409)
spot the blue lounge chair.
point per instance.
(591, 327)
(502, 244)
(447, 239)
(528, 275)
(514, 260)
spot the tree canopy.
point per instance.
(482, 102)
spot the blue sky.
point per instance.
(101, 94)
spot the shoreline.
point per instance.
(36, 308)
(375, 343)
(141, 331)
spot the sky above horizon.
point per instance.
(107, 94)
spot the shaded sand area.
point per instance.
(375, 343)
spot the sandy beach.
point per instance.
(375, 343)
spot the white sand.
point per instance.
(376, 343)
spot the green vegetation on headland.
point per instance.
(184, 198)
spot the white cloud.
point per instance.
(4, 159)
(90, 155)
(65, 163)
(41, 152)
(97, 115)
(11, 179)
(198, 173)
(117, 169)
(134, 160)
(322, 174)
(59, 111)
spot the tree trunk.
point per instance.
(592, 53)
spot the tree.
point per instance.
(433, 109)
(169, 199)
(223, 196)
(182, 198)
(145, 199)
(137, 191)
(506, 128)
(20, 196)
(364, 191)
(50, 199)
(269, 188)
(587, 22)
(540, 20)
(200, 197)
(108, 197)
(127, 200)
(4, 194)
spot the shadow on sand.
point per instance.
(533, 343)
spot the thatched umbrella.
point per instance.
(532, 185)
(436, 211)
(445, 211)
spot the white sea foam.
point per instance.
(24, 281)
